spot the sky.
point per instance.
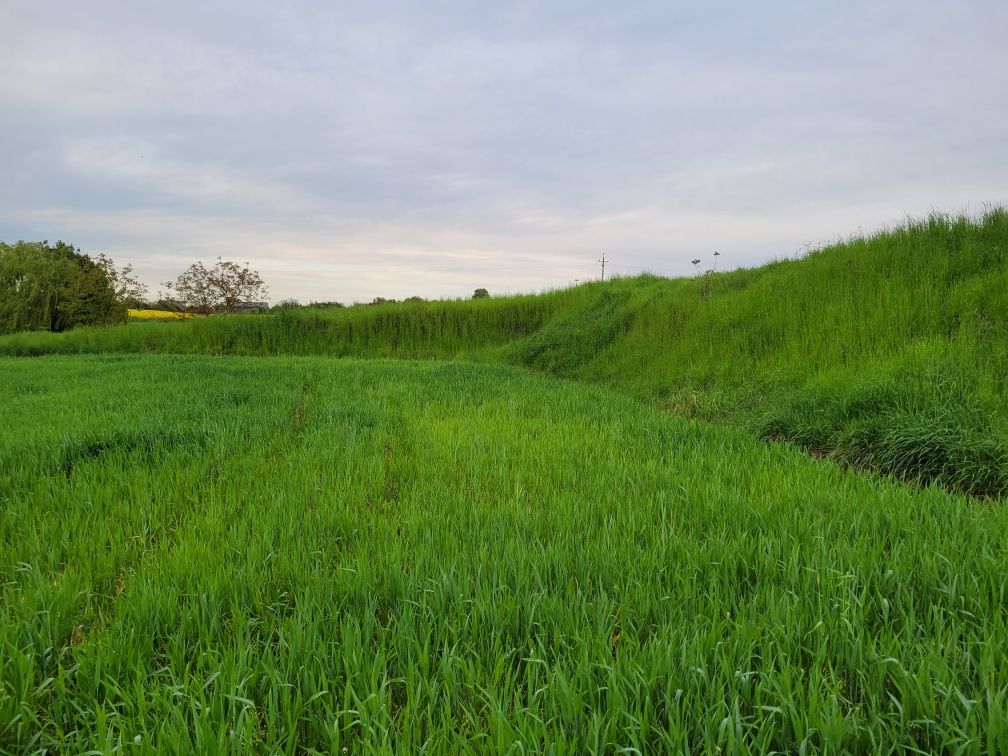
(355, 150)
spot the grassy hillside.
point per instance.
(887, 353)
(207, 554)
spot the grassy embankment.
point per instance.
(887, 353)
(206, 554)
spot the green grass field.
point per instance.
(629, 516)
(205, 553)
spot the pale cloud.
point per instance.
(351, 151)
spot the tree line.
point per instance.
(55, 287)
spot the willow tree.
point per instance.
(55, 287)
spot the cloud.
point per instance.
(390, 149)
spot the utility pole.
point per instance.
(603, 265)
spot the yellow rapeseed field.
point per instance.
(157, 315)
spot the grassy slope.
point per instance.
(888, 353)
(200, 554)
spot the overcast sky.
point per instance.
(351, 150)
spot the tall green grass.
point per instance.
(887, 352)
(418, 329)
(238, 554)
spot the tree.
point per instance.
(480, 294)
(221, 288)
(127, 287)
(192, 291)
(55, 287)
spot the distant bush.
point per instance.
(480, 294)
(167, 305)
